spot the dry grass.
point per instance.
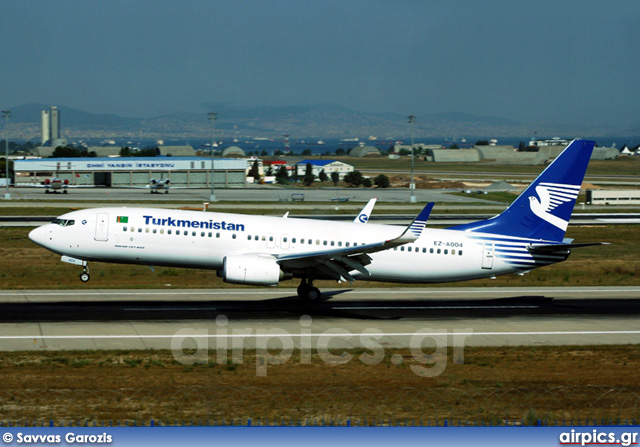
(506, 384)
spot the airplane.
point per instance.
(55, 184)
(159, 185)
(264, 250)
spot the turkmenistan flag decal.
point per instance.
(123, 219)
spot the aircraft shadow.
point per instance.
(293, 308)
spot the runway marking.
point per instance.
(345, 334)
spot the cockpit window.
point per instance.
(63, 222)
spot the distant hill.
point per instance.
(305, 121)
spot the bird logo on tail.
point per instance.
(550, 196)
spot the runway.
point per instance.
(249, 318)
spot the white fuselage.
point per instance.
(179, 238)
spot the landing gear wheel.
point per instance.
(84, 276)
(314, 294)
(307, 292)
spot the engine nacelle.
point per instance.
(251, 270)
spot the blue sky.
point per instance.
(535, 63)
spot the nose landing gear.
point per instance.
(84, 276)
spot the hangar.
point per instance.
(133, 171)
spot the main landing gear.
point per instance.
(84, 276)
(307, 292)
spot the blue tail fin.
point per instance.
(543, 210)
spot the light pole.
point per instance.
(412, 186)
(6, 114)
(212, 118)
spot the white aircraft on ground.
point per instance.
(263, 250)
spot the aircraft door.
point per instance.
(102, 227)
(284, 242)
(487, 255)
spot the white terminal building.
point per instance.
(133, 171)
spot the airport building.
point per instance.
(328, 166)
(133, 171)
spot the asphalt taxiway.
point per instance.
(248, 318)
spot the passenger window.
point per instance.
(424, 250)
(169, 231)
(210, 234)
(431, 250)
(302, 241)
(155, 231)
(333, 243)
(233, 236)
(460, 253)
(133, 229)
(161, 230)
(146, 230)
(401, 248)
(217, 235)
(249, 237)
(324, 243)
(310, 241)
(339, 243)
(408, 248)
(347, 244)
(140, 230)
(124, 228)
(177, 232)
(263, 238)
(293, 240)
(438, 251)
(446, 251)
(202, 234)
(285, 239)
(255, 238)
(270, 238)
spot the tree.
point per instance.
(335, 178)
(255, 171)
(323, 177)
(381, 181)
(366, 182)
(66, 152)
(308, 175)
(354, 178)
(340, 151)
(269, 171)
(282, 176)
(306, 152)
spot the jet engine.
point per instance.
(251, 270)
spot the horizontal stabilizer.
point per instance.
(555, 248)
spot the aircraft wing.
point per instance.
(336, 263)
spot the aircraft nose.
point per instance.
(40, 235)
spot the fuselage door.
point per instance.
(284, 242)
(487, 255)
(102, 227)
(271, 240)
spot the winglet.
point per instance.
(363, 216)
(414, 230)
